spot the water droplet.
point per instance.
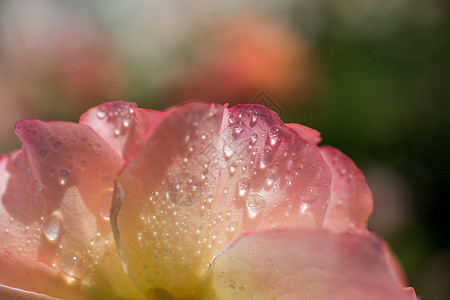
(83, 164)
(255, 204)
(64, 176)
(265, 157)
(43, 153)
(184, 189)
(254, 118)
(38, 186)
(311, 195)
(275, 135)
(117, 131)
(254, 139)
(56, 145)
(73, 265)
(271, 177)
(239, 127)
(243, 186)
(228, 150)
(100, 114)
(233, 168)
(231, 119)
(127, 122)
(104, 200)
(53, 226)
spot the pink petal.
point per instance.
(55, 201)
(294, 264)
(18, 294)
(309, 134)
(121, 124)
(204, 175)
(21, 273)
(351, 199)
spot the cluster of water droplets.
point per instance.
(121, 115)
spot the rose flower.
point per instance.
(198, 202)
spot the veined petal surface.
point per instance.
(296, 264)
(351, 199)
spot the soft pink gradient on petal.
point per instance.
(121, 124)
(309, 134)
(7, 292)
(33, 276)
(295, 264)
(204, 175)
(351, 199)
(55, 200)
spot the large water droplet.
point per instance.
(243, 186)
(101, 114)
(53, 226)
(275, 135)
(64, 176)
(73, 265)
(228, 150)
(311, 195)
(255, 204)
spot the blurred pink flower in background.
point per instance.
(199, 201)
(253, 52)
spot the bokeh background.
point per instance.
(372, 75)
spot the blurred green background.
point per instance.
(372, 75)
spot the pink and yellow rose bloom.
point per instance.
(200, 201)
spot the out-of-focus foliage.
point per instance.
(372, 75)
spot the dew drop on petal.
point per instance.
(64, 176)
(43, 153)
(104, 200)
(271, 177)
(228, 150)
(275, 135)
(56, 145)
(311, 195)
(254, 118)
(254, 139)
(233, 168)
(100, 114)
(239, 127)
(83, 164)
(231, 119)
(53, 226)
(73, 265)
(255, 204)
(265, 157)
(243, 186)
